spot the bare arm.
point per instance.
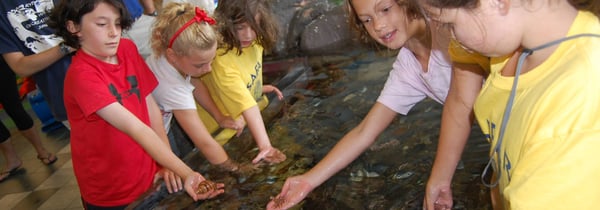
(125, 121)
(343, 153)
(202, 97)
(352, 144)
(148, 6)
(195, 129)
(156, 122)
(257, 128)
(172, 181)
(272, 89)
(457, 120)
(27, 65)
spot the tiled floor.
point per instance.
(37, 186)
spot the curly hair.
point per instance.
(172, 17)
(257, 13)
(411, 7)
(68, 10)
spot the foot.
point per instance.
(4, 175)
(49, 159)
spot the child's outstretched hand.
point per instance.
(230, 123)
(437, 197)
(270, 155)
(172, 181)
(294, 191)
(200, 189)
(271, 88)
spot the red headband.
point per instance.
(199, 18)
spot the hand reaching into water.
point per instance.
(172, 181)
(271, 155)
(192, 185)
(293, 192)
(237, 168)
(230, 123)
(438, 198)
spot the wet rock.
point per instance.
(327, 34)
(305, 14)
(311, 27)
(403, 175)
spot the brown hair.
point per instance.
(411, 7)
(452, 4)
(586, 5)
(232, 12)
(67, 10)
(199, 35)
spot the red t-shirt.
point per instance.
(111, 168)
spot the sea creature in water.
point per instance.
(206, 186)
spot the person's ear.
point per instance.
(71, 27)
(171, 55)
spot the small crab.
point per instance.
(206, 186)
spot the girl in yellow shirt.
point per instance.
(235, 83)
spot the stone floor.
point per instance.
(37, 186)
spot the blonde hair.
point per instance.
(173, 16)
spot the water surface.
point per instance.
(328, 102)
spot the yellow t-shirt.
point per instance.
(460, 55)
(550, 147)
(235, 84)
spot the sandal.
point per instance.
(7, 174)
(51, 158)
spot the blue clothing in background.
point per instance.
(134, 7)
(23, 29)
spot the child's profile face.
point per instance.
(100, 32)
(196, 63)
(245, 34)
(385, 21)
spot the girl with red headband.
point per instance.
(235, 84)
(118, 141)
(184, 44)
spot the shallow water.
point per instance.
(327, 103)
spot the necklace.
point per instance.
(509, 104)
